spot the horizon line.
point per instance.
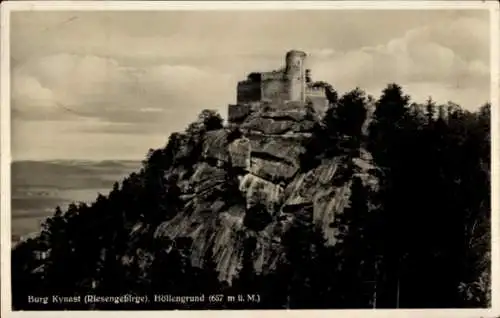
(74, 159)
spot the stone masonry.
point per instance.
(290, 83)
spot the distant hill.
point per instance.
(70, 173)
(39, 186)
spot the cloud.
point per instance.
(28, 91)
(151, 110)
(80, 139)
(416, 60)
(114, 77)
(63, 86)
(447, 55)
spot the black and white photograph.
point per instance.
(196, 158)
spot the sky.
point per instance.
(111, 85)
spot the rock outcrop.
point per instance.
(263, 164)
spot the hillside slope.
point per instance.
(288, 205)
(247, 183)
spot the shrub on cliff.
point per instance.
(340, 131)
(207, 120)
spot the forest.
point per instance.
(422, 240)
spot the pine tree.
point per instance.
(356, 248)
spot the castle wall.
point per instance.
(238, 113)
(316, 91)
(275, 89)
(273, 75)
(281, 87)
(248, 91)
(317, 96)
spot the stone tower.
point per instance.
(295, 75)
(291, 82)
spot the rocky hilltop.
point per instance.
(261, 157)
(306, 209)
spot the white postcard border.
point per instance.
(5, 154)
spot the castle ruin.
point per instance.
(292, 83)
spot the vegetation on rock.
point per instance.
(420, 239)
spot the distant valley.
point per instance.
(38, 187)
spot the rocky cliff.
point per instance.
(261, 158)
(289, 204)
